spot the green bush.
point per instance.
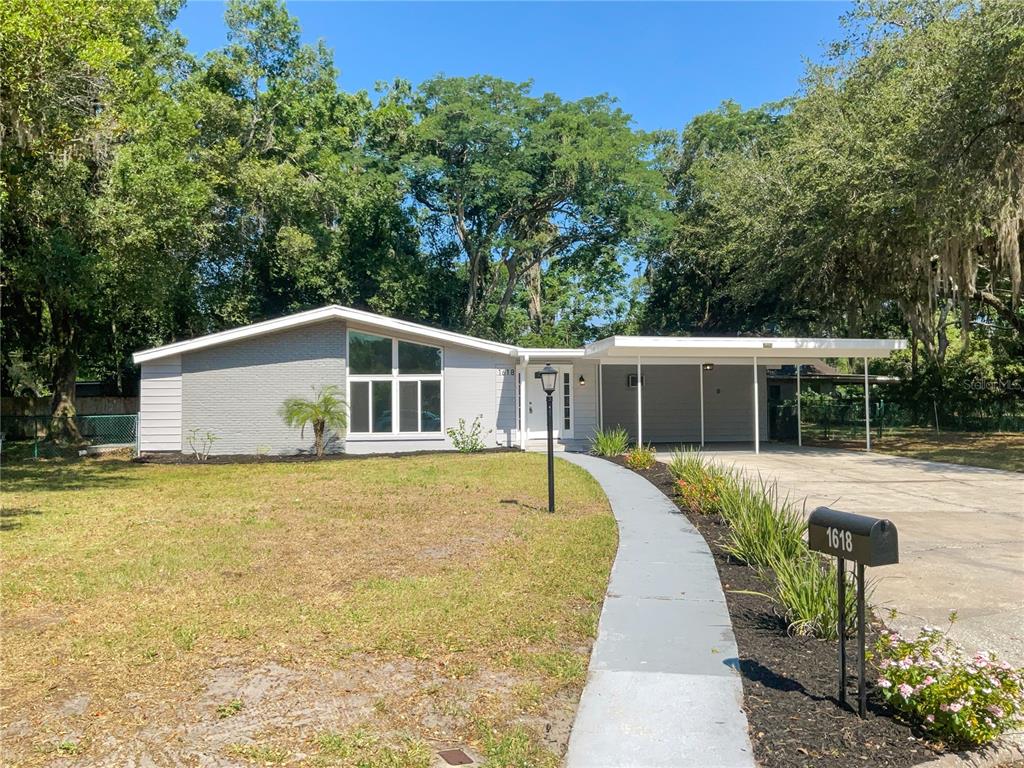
(610, 442)
(964, 702)
(641, 457)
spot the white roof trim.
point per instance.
(536, 353)
(319, 315)
(632, 347)
(729, 346)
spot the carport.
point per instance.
(703, 389)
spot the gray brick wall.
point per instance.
(235, 390)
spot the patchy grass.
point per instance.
(995, 450)
(204, 612)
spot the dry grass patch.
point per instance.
(995, 450)
(211, 612)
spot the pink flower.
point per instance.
(927, 681)
(995, 709)
(944, 707)
(956, 706)
(930, 718)
(905, 690)
(883, 683)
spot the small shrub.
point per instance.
(610, 442)
(640, 458)
(201, 444)
(963, 702)
(468, 439)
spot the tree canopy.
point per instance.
(150, 195)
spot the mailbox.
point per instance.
(866, 540)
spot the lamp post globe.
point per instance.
(548, 381)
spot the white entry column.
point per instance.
(522, 401)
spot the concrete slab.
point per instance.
(689, 728)
(961, 534)
(663, 687)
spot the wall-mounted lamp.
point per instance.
(583, 382)
(709, 366)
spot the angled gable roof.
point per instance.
(334, 311)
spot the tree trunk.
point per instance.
(533, 285)
(318, 438)
(64, 375)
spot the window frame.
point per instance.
(395, 378)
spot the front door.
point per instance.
(561, 400)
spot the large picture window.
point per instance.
(394, 385)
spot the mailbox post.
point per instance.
(867, 541)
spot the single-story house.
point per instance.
(406, 384)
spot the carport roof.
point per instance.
(766, 349)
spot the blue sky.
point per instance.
(666, 62)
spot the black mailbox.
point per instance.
(866, 540)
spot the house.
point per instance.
(406, 384)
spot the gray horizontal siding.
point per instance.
(671, 402)
(585, 399)
(236, 390)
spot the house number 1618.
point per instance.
(838, 539)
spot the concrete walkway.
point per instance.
(663, 687)
(961, 534)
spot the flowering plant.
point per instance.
(701, 494)
(962, 701)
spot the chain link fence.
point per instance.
(31, 434)
(838, 420)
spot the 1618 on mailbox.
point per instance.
(866, 540)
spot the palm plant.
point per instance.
(325, 410)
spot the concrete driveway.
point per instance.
(961, 532)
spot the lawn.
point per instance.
(996, 450)
(355, 612)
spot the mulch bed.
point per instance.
(789, 683)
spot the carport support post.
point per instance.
(700, 367)
(523, 361)
(799, 426)
(639, 406)
(757, 416)
(867, 408)
(862, 690)
(841, 590)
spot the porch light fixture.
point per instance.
(583, 382)
(709, 366)
(548, 379)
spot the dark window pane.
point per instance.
(359, 405)
(381, 406)
(431, 405)
(408, 406)
(368, 353)
(417, 358)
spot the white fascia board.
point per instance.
(319, 315)
(767, 347)
(538, 353)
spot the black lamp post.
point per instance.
(548, 380)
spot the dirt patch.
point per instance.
(287, 707)
(790, 683)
